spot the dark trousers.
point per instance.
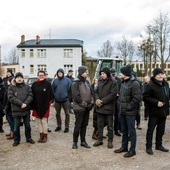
(138, 116)
(81, 122)
(146, 109)
(58, 106)
(104, 119)
(26, 121)
(10, 120)
(116, 120)
(128, 129)
(95, 118)
(159, 123)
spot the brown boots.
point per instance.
(11, 136)
(95, 134)
(43, 138)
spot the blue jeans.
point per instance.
(26, 121)
(128, 129)
(10, 121)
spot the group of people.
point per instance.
(115, 101)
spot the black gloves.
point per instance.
(89, 106)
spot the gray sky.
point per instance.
(93, 21)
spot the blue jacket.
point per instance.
(61, 86)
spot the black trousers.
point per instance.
(81, 122)
(159, 123)
(102, 119)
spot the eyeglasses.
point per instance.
(41, 75)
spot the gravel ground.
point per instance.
(57, 153)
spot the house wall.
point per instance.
(54, 60)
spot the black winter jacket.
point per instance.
(107, 91)
(17, 95)
(155, 92)
(130, 96)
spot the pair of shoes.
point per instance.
(10, 137)
(161, 148)
(30, 141)
(117, 134)
(15, 143)
(84, 144)
(58, 129)
(110, 144)
(130, 154)
(120, 150)
(149, 151)
(74, 146)
(66, 130)
(98, 143)
(49, 130)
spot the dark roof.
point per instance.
(52, 43)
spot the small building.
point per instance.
(49, 55)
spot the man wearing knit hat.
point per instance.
(128, 103)
(156, 95)
(82, 104)
(20, 96)
(105, 105)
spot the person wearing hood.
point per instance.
(61, 86)
(83, 102)
(128, 105)
(105, 100)
(2, 93)
(42, 98)
(20, 96)
(156, 95)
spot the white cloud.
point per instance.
(93, 21)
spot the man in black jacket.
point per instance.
(156, 94)
(128, 103)
(20, 96)
(105, 97)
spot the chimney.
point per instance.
(22, 39)
(37, 39)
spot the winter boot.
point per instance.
(11, 136)
(95, 134)
(110, 143)
(45, 138)
(41, 138)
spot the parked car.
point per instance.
(33, 79)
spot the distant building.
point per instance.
(49, 54)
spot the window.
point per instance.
(31, 69)
(41, 53)
(168, 65)
(31, 53)
(157, 65)
(23, 53)
(42, 67)
(168, 72)
(68, 67)
(141, 66)
(68, 53)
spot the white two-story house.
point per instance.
(49, 54)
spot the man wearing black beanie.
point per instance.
(156, 95)
(128, 103)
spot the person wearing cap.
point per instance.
(156, 94)
(83, 102)
(20, 96)
(105, 100)
(60, 88)
(70, 76)
(117, 127)
(128, 103)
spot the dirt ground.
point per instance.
(57, 153)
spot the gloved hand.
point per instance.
(89, 106)
(98, 103)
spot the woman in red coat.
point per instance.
(42, 98)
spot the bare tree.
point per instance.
(126, 49)
(106, 50)
(13, 56)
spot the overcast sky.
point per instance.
(93, 21)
